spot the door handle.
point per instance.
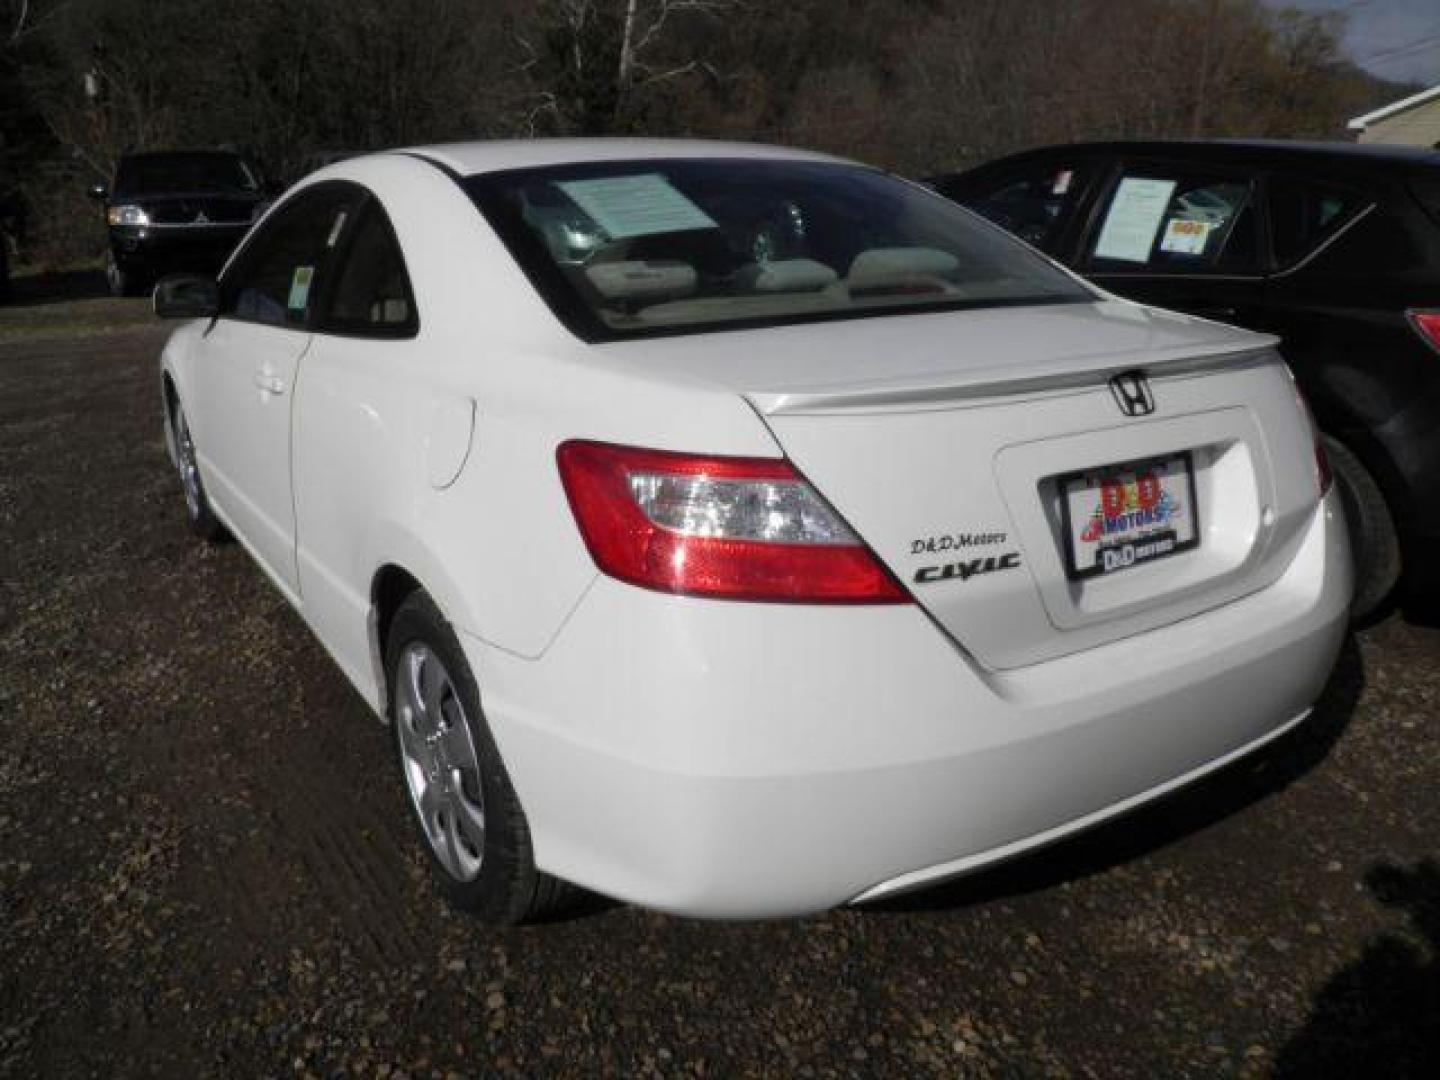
(270, 384)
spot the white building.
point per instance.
(1412, 121)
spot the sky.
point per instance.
(1395, 39)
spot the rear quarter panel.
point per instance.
(496, 545)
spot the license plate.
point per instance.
(1121, 516)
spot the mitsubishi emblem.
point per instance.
(1132, 393)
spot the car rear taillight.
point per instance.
(1324, 477)
(1323, 474)
(735, 528)
(1427, 325)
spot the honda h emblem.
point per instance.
(1131, 391)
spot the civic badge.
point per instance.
(1131, 390)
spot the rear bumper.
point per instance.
(732, 760)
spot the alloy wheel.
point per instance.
(189, 470)
(437, 755)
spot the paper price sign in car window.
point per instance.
(1184, 237)
(626, 206)
(1134, 218)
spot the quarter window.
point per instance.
(372, 293)
(1303, 214)
(276, 279)
(1170, 223)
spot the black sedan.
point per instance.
(173, 211)
(1332, 246)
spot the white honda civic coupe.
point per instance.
(739, 531)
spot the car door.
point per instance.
(1337, 297)
(363, 389)
(1318, 306)
(1182, 236)
(248, 363)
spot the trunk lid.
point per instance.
(944, 439)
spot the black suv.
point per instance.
(1333, 247)
(176, 210)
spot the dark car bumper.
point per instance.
(158, 250)
(1411, 442)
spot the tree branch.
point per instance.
(20, 21)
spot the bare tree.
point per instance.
(591, 60)
(918, 85)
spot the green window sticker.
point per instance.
(300, 288)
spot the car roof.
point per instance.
(1369, 156)
(498, 155)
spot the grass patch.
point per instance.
(73, 302)
(73, 318)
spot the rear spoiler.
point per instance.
(998, 380)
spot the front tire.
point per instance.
(203, 522)
(120, 281)
(1374, 543)
(466, 811)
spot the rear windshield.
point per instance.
(161, 173)
(635, 248)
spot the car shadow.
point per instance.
(1382, 1011)
(1418, 607)
(580, 905)
(1167, 820)
(1421, 612)
(58, 287)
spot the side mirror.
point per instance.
(186, 296)
(98, 192)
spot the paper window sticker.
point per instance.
(626, 206)
(300, 287)
(1134, 218)
(1062, 182)
(335, 229)
(1185, 237)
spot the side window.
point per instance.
(1034, 205)
(275, 281)
(1304, 213)
(371, 292)
(1172, 223)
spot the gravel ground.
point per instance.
(206, 865)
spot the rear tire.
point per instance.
(466, 811)
(1374, 543)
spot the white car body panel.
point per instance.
(1017, 618)
(732, 758)
(815, 769)
(243, 406)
